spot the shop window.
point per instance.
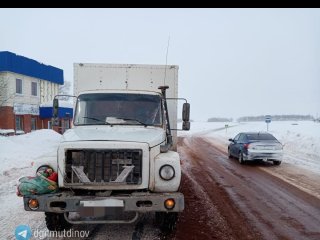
(34, 88)
(19, 86)
(19, 123)
(33, 123)
(49, 125)
(66, 124)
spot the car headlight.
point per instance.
(167, 172)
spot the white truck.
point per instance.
(119, 159)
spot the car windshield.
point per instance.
(118, 108)
(260, 136)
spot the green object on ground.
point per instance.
(36, 185)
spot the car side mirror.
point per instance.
(186, 112)
(55, 107)
(231, 140)
(186, 126)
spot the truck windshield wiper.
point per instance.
(133, 119)
(97, 119)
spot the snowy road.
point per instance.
(226, 200)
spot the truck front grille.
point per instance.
(103, 166)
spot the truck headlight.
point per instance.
(167, 172)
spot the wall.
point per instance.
(48, 91)
(45, 92)
(7, 120)
(26, 96)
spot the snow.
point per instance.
(20, 151)
(62, 103)
(5, 132)
(17, 154)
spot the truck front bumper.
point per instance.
(136, 202)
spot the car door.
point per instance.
(233, 146)
(240, 144)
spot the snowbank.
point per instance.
(6, 131)
(16, 155)
(20, 151)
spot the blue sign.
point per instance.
(23, 232)
(268, 119)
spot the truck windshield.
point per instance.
(118, 109)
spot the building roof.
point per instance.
(22, 65)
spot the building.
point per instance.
(25, 84)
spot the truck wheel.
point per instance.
(166, 221)
(56, 222)
(229, 153)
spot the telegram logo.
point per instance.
(23, 232)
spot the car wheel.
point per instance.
(276, 162)
(229, 153)
(240, 158)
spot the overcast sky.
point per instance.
(233, 62)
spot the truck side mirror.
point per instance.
(186, 112)
(186, 125)
(55, 107)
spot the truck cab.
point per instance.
(119, 160)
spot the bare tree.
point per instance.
(65, 89)
(4, 94)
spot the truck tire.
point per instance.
(166, 221)
(56, 222)
(276, 162)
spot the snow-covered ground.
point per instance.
(17, 154)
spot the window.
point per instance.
(34, 89)
(19, 86)
(33, 123)
(19, 125)
(118, 108)
(66, 123)
(236, 138)
(49, 125)
(260, 136)
(242, 138)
